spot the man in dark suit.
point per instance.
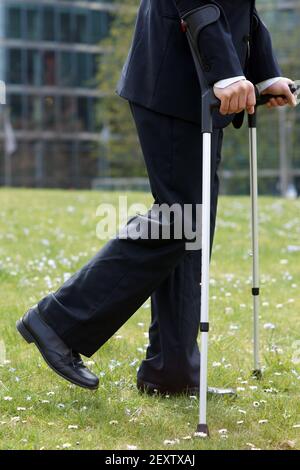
(160, 82)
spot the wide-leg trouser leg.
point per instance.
(94, 303)
(173, 358)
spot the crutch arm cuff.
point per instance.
(208, 30)
(201, 17)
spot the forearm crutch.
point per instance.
(255, 240)
(252, 124)
(192, 23)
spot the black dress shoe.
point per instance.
(65, 362)
(152, 389)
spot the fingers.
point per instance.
(290, 98)
(251, 101)
(280, 101)
(282, 94)
(225, 103)
(236, 98)
(276, 102)
(234, 104)
(242, 101)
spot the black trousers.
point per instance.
(94, 303)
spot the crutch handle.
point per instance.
(264, 99)
(260, 99)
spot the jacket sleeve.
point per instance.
(219, 56)
(262, 62)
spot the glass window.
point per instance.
(66, 68)
(33, 115)
(80, 33)
(95, 125)
(16, 106)
(65, 24)
(96, 26)
(14, 23)
(33, 71)
(33, 24)
(94, 69)
(67, 113)
(48, 24)
(14, 69)
(49, 113)
(49, 68)
(106, 20)
(83, 117)
(82, 69)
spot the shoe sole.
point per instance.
(29, 338)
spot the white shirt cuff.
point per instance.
(262, 86)
(229, 81)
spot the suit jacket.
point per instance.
(159, 72)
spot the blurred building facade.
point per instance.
(48, 60)
(49, 51)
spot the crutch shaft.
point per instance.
(192, 23)
(205, 258)
(255, 241)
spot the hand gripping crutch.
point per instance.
(252, 124)
(192, 23)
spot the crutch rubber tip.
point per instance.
(257, 373)
(202, 431)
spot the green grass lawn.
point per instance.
(44, 235)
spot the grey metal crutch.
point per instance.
(255, 241)
(252, 124)
(192, 23)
